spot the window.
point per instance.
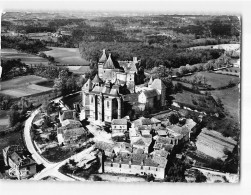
(92, 100)
(107, 104)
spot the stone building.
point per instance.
(101, 102)
(21, 163)
(136, 164)
(119, 73)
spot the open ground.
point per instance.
(26, 58)
(24, 85)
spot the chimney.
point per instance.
(110, 55)
(104, 51)
(135, 59)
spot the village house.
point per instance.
(108, 148)
(69, 135)
(119, 127)
(67, 114)
(21, 163)
(214, 144)
(142, 142)
(163, 143)
(136, 164)
(181, 134)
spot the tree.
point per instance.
(183, 70)
(174, 118)
(200, 177)
(14, 117)
(60, 82)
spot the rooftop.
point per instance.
(103, 58)
(150, 93)
(109, 63)
(119, 122)
(158, 84)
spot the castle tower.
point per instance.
(101, 63)
(85, 112)
(96, 81)
(108, 69)
(100, 105)
(161, 88)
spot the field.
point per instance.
(23, 86)
(70, 56)
(26, 58)
(230, 98)
(194, 101)
(221, 46)
(215, 80)
(4, 121)
(229, 71)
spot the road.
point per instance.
(51, 168)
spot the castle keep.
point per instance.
(103, 97)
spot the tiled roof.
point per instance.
(70, 133)
(163, 140)
(114, 92)
(96, 79)
(162, 132)
(154, 120)
(103, 57)
(97, 89)
(150, 81)
(162, 153)
(109, 63)
(119, 122)
(161, 161)
(87, 85)
(142, 121)
(138, 151)
(106, 89)
(150, 93)
(158, 84)
(68, 114)
(104, 146)
(69, 123)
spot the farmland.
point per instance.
(214, 80)
(220, 46)
(26, 58)
(67, 56)
(23, 86)
(231, 99)
(195, 101)
(4, 121)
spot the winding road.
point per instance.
(51, 169)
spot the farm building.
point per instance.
(214, 144)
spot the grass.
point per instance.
(69, 56)
(21, 81)
(195, 101)
(215, 80)
(220, 46)
(230, 98)
(26, 58)
(58, 154)
(4, 121)
(23, 86)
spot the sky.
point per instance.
(177, 7)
